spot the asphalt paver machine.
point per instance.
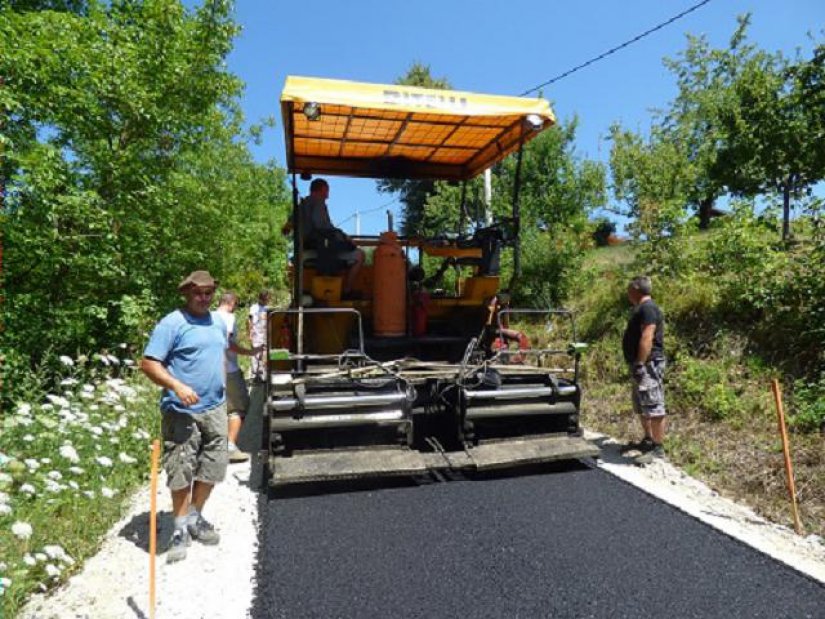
(404, 376)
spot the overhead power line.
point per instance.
(617, 48)
(372, 210)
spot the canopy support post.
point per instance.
(517, 218)
(297, 248)
(463, 208)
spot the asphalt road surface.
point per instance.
(558, 542)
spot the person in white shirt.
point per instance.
(257, 334)
(237, 396)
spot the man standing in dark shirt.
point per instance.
(643, 347)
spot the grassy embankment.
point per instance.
(723, 426)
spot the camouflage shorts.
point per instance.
(649, 389)
(194, 447)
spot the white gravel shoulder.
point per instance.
(213, 581)
(218, 582)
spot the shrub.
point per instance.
(602, 230)
(808, 404)
(704, 386)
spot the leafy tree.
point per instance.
(413, 193)
(770, 130)
(744, 122)
(125, 166)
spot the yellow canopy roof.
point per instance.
(391, 131)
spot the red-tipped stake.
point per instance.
(783, 431)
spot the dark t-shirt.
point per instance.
(647, 313)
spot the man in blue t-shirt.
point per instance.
(185, 356)
(644, 352)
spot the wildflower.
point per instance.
(107, 492)
(114, 440)
(88, 388)
(29, 560)
(5, 509)
(58, 400)
(3, 458)
(128, 362)
(5, 478)
(28, 489)
(55, 475)
(29, 438)
(74, 485)
(31, 462)
(76, 470)
(104, 461)
(54, 551)
(69, 382)
(114, 360)
(52, 486)
(70, 453)
(41, 557)
(52, 570)
(89, 493)
(103, 359)
(96, 430)
(66, 360)
(25, 421)
(120, 408)
(47, 406)
(24, 408)
(22, 530)
(87, 395)
(126, 458)
(5, 583)
(3, 566)
(45, 460)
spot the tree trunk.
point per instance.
(786, 208)
(705, 208)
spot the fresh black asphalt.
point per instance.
(559, 542)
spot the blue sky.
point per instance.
(498, 47)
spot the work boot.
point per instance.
(204, 532)
(657, 453)
(177, 546)
(643, 446)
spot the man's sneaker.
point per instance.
(204, 532)
(657, 453)
(236, 455)
(177, 546)
(643, 446)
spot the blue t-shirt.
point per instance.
(192, 349)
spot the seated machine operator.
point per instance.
(318, 231)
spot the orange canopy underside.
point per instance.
(390, 131)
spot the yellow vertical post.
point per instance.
(783, 431)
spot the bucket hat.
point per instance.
(198, 278)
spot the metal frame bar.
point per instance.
(540, 351)
(301, 311)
